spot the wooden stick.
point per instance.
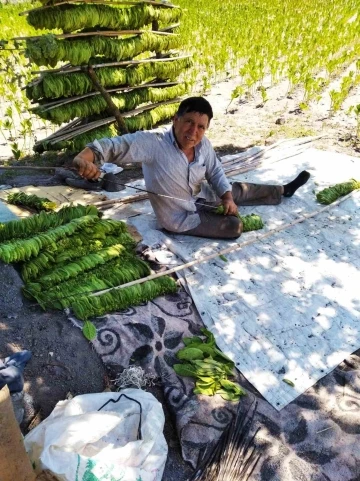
(121, 126)
(102, 2)
(105, 33)
(57, 103)
(126, 200)
(170, 27)
(62, 70)
(67, 127)
(228, 250)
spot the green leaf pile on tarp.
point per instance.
(24, 228)
(209, 366)
(32, 201)
(331, 194)
(111, 274)
(25, 249)
(65, 256)
(53, 86)
(70, 18)
(96, 104)
(48, 50)
(70, 248)
(250, 222)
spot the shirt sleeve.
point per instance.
(128, 148)
(215, 174)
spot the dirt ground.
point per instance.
(63, 362)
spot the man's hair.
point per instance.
(195, 104)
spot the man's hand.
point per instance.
(230, 208)
(84, 164)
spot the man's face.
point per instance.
(190, 129)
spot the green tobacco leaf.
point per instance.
(189, 354)
(188, 341)
(89, 330)
(208, 350)
(205, 392)
(207, 389)
(185, 370)
(228, 395)
(290, 383)
(209, 335)
(206, 379)
(231, 386)
(223, 357)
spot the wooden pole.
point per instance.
(125, 200)
(121, 126)
(228, 250)
(14, 461)
(104, 33)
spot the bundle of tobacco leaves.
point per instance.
(68, 255)
(331, 194)
(32, 201)
(250, 222)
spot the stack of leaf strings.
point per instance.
(66, 256)
(131, 49)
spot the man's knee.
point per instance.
(235, 227)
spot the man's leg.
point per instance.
(216, 226)
(245, 193)
(257, 194)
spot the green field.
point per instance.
(309, 43)
(306, 42)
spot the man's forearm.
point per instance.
(86, 154)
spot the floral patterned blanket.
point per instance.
(315, 437)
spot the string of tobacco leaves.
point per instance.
(48, 50)
(68, 254)
(55, 85)
(97, 104)
(70, 18)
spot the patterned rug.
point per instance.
(316, 437)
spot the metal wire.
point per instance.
(139, 435)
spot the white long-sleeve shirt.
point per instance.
(167, 171)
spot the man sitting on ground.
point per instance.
(181, 164)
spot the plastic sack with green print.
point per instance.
(103, 436)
